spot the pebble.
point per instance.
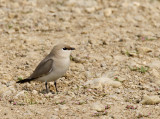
(12, 88)
(150, 100)
(4, 88)
(107, 12)
(54, 117)
(114, 97)
(10, 83)
(97, 106)
(103, 81)
(34, 92)
(19, 94)
(144, 50)
(88, 74)
(155, 64)
(77, 10)
(48, 95)
(136, 4)
(121, 79)
(28, 85)
(7, 93)
(90, 10)
(157, 82)
(81, 3)
(119, 58)
(63, 107)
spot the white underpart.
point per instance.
(60, 66)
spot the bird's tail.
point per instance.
(24, 81)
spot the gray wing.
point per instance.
(45, 67)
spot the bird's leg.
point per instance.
(46, 87)
(55, 84)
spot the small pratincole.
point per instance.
(53, 66)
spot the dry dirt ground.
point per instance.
(114, 72)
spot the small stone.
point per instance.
(34, 92)
(63, 107)
(103, 64)
(150, 100)
(3, 88)
(49, 95)
(20, 94)
(114, 97)
(4, 82)
(7, 93)
(90, 98)
(94, 84)
(96, 57)
(98, 74)
(97, 106)
(78, 60)
(157, 82)
(77, 10)
(139, 18)
(81, 3)
(118, 91)
(144, 49)
(54, 117)
(136, 4)
(107, 12)
(90, 10)
(88, 74)
(12, 88)
(157, 107)
(28, 85)
(120, 58)
(155, 64)
(121, 79)
(103, 81)
(139, 115)
(10, 83)
(155, 73)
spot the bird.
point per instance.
(52, 67)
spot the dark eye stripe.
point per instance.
(72, 48)
(65, 48)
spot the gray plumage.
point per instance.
(53, 66)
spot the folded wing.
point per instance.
(44, 67)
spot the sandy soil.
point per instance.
(115, 70)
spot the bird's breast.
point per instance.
(61, 65)
(59, 69)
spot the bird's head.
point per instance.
(62, 50)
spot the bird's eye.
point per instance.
(64, 48)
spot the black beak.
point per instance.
(72, 48)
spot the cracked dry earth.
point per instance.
(114, 72)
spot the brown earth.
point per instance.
(117, 40)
